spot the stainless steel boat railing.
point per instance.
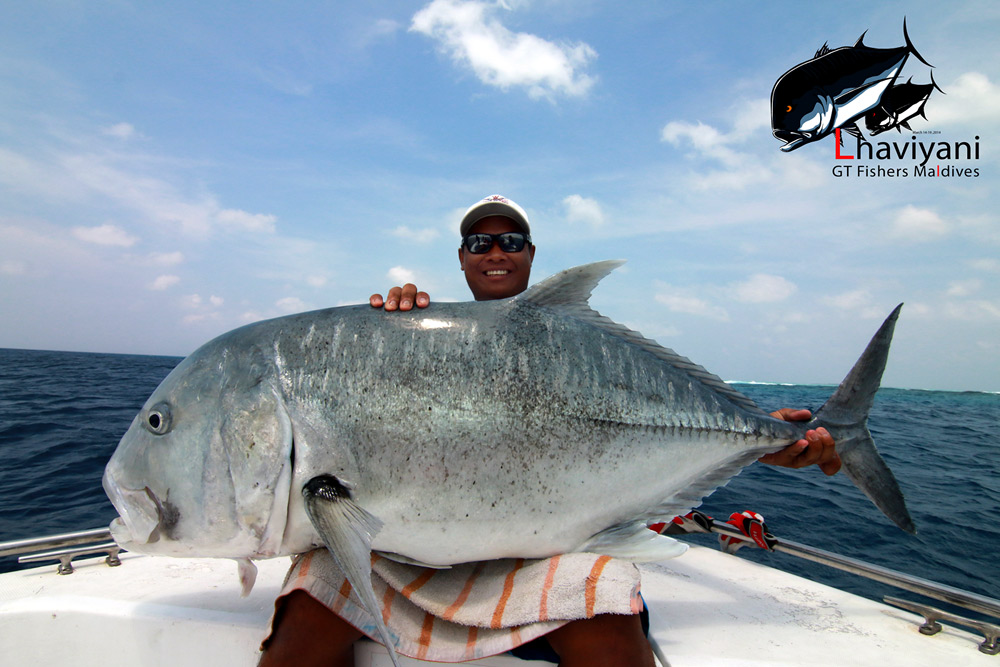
(64, 548)
(67, 546)
(932, 589)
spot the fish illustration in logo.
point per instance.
(834, 90)
(900, 104)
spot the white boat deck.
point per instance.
(707, 609)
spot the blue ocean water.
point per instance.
(62, 414)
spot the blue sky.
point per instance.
(170, 171)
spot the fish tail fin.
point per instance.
(845, 415)
(936, 87)
(912, 49)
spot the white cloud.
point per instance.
(166, 258)
(164, 282)
(853, 300)
(583, 210)
(191, 301)
(105, 235)
(123, 180)
(680, 300)
(13, 268)
(423, 236)
(121, 131)
(704, 138)
(976, 310)
(709, 143)
(291, 304)
(971, 98)
(243, 221)
(216, 300)
(963, 288)
(399, 275)
(469, 33)
(918, 224)
(986, 264)
(764, 288)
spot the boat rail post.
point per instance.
(64, 548)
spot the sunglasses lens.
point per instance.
(479, 244)
(511, 242)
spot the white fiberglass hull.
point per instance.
(707, 608)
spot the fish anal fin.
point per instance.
(347, 530)
(248, 575)
(634, 541)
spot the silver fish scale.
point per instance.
(496, 413)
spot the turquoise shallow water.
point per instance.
(62, 414)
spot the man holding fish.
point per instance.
(496, 256)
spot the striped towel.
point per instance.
(473, 610)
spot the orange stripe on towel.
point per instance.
(390, 593)
(417, 583)
(508, 588)
(550, 578)
(450, 612)
(343, 594)
(470, 643)
(425, 636)
(592, 579)
(304, 564)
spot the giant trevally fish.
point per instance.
(525, 427)
(901, 103)
(834, 90)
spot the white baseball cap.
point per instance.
(494, 205)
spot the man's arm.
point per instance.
(816, 448)
(401, 298)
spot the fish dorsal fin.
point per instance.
(861, 39)
(571, 287)
(569, 292)
(823, 50)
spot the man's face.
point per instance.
(496, 274)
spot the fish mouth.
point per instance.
(141, 514)
(792, 139)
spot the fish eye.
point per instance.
(157, 419)
(788, 108)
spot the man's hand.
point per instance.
(401, 298)
(816, 447)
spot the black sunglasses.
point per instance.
(479, 244)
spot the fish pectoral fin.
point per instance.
(634, 541)
(248, 575)
(406, 560)
(852, 130)
(348, 529)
